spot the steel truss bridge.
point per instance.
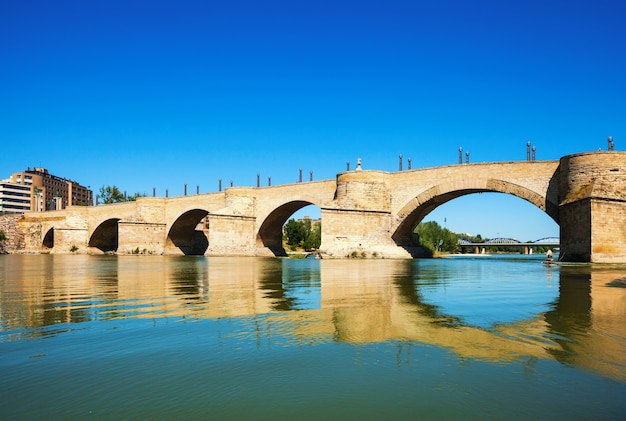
(512, 242)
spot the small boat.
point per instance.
(549, 261)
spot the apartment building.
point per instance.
(14, 197)
(46, 191)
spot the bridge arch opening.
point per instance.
(188, 233)
(488, 213)
(106, 236)
(270, 235)
(48, 239)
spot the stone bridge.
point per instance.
(372, 213)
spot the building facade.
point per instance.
(14, 197)
(46, 191)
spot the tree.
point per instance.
(2, 236)
(303, 234)
(314, 237)
(111, 194)
(133, 197)
(436, 239)
(295, 233)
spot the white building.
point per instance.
(14, 197)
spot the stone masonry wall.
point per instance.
(575, 231)
(593, 204)
(608, 236)
(14, 236)
(363, 190)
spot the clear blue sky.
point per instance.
(150, 93)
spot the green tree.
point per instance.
(111, 194)
(3, 236)
(303, 234)
(134, 197)
(437, 239)
(295, 233)
(314, 237)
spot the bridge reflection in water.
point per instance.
(356, 301)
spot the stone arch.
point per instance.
(48, 239)
(270, 234)
(413, 212)
(106, 236)
(184, 236)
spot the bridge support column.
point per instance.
(232, 229)
(592, 207)
(140, 238)
(360, 224)
(231, 235)
(594, 231)
(359, 234)
(72, 240)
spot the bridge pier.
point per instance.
(232, 229)
(68, 239)
(141, 238)
(360, 223)
(592, 207)
(231, 235)
(359, 234)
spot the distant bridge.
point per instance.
(512, 242)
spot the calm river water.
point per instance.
(154, 337)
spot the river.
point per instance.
(163, 337)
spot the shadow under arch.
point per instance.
(106, 236)
(270, 233)
(184, 235)
(424, 203)
(48, 239)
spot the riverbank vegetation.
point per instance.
(302, 235)
(441, 240)
(306, 235)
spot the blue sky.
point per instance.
(144, 94)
